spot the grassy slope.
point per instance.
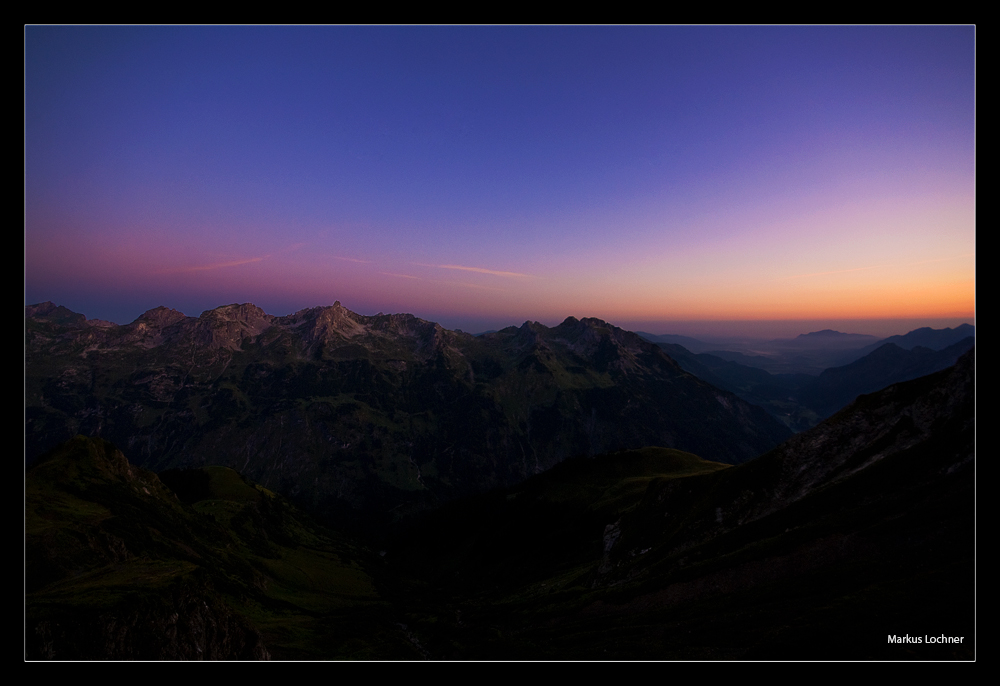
(102, 547)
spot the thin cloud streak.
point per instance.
(478, 270)
(208, 267)
(404, 276)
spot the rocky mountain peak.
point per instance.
(228, 326)
(254, 319)
(149, 328)
(527, 335)
(336, 320)
(589, 335)
(57, 314)
(39, 309)
(160, 317)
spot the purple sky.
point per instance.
(654, 177)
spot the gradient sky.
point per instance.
(655, 177)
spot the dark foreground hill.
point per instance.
(346, 413)
(859, 530)
(117, 566)
(831, 546)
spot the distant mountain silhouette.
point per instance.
(692, 344)
(887, 364)
(802, 400)
(926, 337)
(827, 338)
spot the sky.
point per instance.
(665, 179)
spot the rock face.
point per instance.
(343, 411)
(181, 626)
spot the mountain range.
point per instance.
(371, 415)
(332, 485)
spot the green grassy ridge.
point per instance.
(105, 547)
